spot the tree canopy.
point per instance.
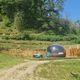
(31, 13)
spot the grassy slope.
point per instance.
(60, 70)
(8, 60)
(21, 44)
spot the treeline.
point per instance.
(38, 14)
(43, 16)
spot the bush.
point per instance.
(46, 37)
(41, 37)
(77, 41)
(6, 37)
(69, 37)
(22, 36)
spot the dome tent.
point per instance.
(55, 51)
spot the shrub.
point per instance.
(77, 41)
(46, 37)
(22, 36)
(69, 37)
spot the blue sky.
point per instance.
(72, 9)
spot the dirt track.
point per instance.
(23, 71)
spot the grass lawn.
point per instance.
(68, 69)
(8, 60)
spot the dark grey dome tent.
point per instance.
(55, 51)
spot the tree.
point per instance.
(35, 12)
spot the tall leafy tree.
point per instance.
(32, 13)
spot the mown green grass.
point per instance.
(68, 69)
(9, 61)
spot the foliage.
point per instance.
(30, 13)
(77, 41)
(19, 21)
(17, 16)
(40, 37)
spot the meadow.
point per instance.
(28, 48)
(14, 51)
(62, 69)
(7, 61)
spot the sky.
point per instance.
(72, 9)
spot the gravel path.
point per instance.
(23, 71)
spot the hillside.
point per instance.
(36, 20)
